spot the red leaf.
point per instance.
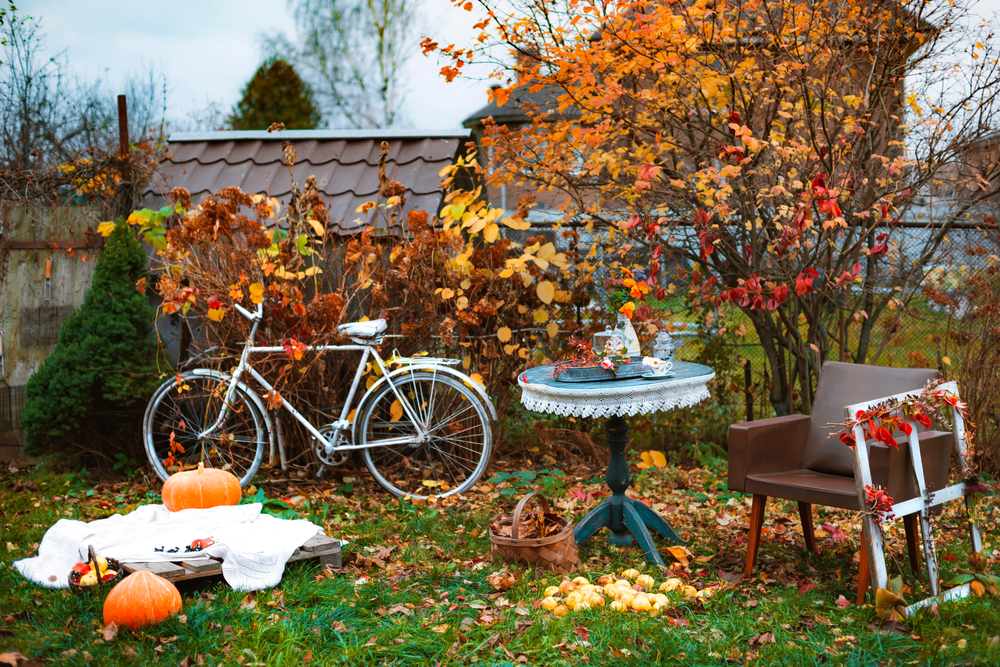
(806, 588)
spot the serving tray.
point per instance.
(598, 374)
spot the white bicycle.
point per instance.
(425, 428)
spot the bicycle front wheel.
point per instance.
(459, 441)
(180, 412)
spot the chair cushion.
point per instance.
(807, 486)
(842, 384)
(890, 468)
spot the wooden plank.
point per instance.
(166, 570)
(322, 548)
(201, 565)
(319, 542)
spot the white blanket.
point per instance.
(254, 546)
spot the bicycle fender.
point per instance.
(226, 377)
(433, 369)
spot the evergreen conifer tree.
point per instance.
(106, 351)
(275, 94)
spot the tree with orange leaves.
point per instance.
(768, 152)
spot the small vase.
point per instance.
(631, 339)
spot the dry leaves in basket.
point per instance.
(534, 525)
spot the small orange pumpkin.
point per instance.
(141, 598)
(201, 488)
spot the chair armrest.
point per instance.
(764, 446)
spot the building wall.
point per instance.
(32, 309)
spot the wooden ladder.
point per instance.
(922, 503)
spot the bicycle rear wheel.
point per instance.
(460, 438)
(179, 412)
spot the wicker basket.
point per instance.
(100, 586)
(556, 552)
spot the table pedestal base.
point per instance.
(625, 517)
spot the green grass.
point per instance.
(450, 613)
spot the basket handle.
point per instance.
(520, 506)
(92, 559)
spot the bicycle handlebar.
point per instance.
(247, 314)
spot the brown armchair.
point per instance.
(797, 458)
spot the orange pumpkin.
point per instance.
(141, 598)
(201, 488)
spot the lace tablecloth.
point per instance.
(541, 392)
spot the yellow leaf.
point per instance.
(256, 293)
(509, 349)
(105, 228)
(885, 604)
(466, 362)
(546, 291)
(541, 315)
(491, 232)
(978, 588)
(946, 361)
(447, 293)
(462, 303)
(312, 270)
(516, 223)
(503, 333)
(215, 314)
(553, 329)
(478, 379)
(317, 227)
(350, 417)
(659, 460)
(395, 411)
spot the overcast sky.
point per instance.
(209, 49)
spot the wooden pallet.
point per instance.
(320, 547)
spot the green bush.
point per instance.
(105, 356)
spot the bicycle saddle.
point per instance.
(369, 329)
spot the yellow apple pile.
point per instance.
(617, 592)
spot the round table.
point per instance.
(625, 517)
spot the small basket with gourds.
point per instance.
(94, 575)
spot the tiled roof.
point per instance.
(515, 108)
(345, 164)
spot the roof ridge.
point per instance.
(293, 135)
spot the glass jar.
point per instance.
(664, 347)
(601, 338)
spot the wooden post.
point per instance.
(123, 137)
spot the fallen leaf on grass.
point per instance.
(372, 641)
(843, 602)
(761, 639)
(806, 588)
(731, 577)
(400, 609)
(502, 581)
(338, 626)
(441, 629)
(109, 631)
(681, 555)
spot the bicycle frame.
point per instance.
(342, 423)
